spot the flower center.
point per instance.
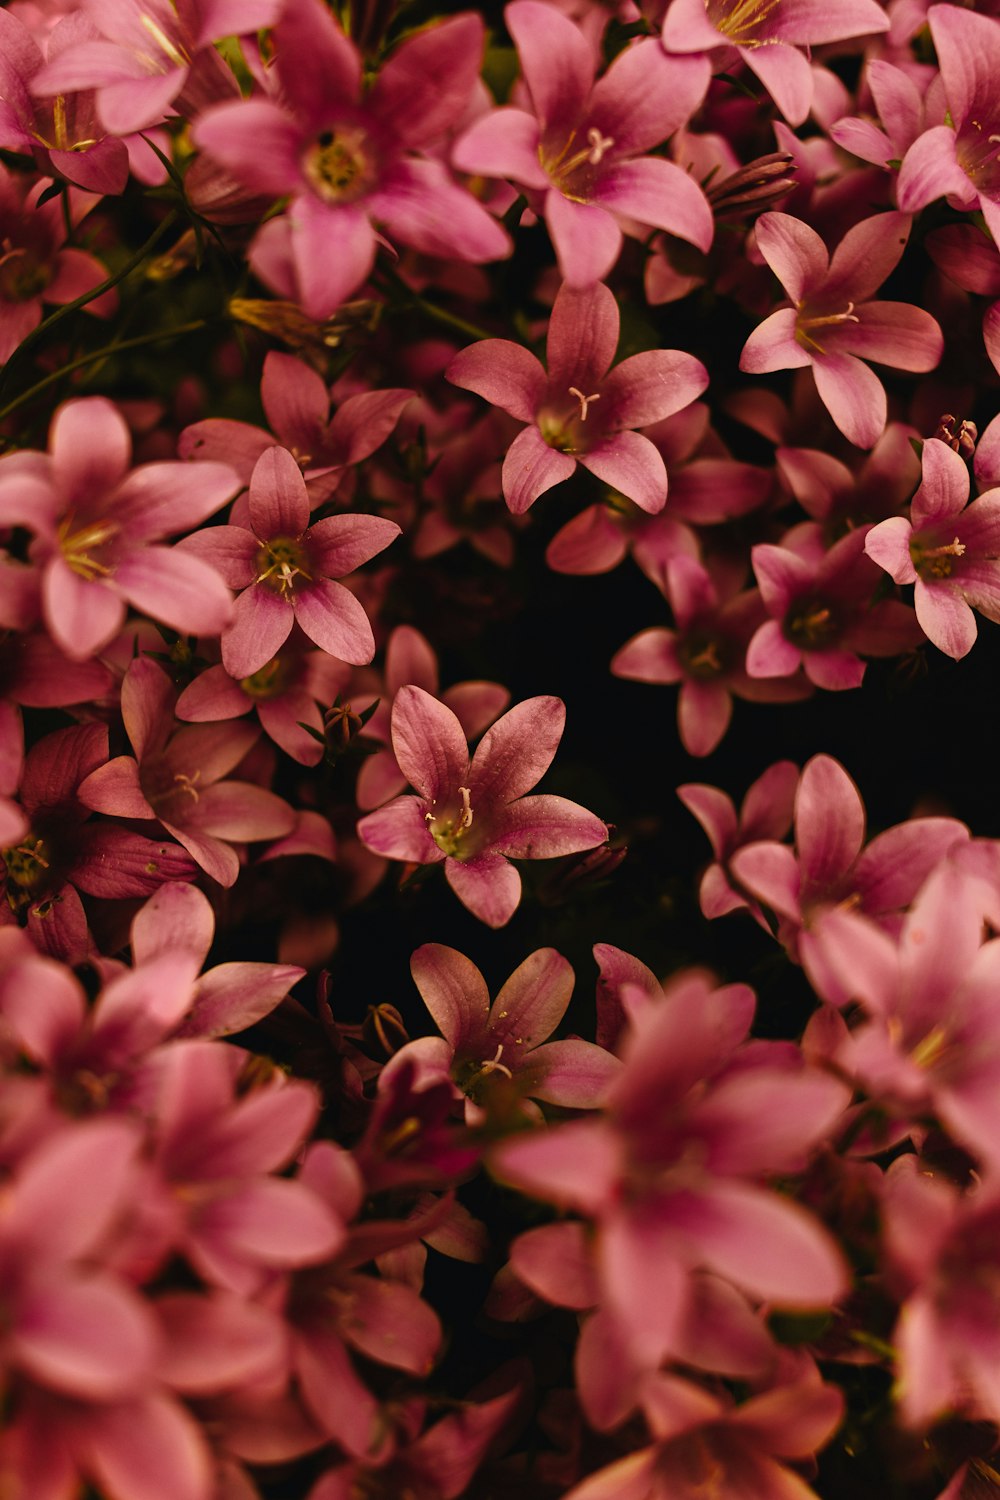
(266, 682)
(27, 862)
(471, 1075)
(561, 427)
(805, 322)
(22, 276)
(936, 562)
(449, 832)
(336, 166)
(978, 153)
(740, 20)
(703, 656)
(79, 547)
(279, 562)
(812, 625)
(570, 170)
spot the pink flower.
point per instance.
(286, 570)
(96, 524)
(960, 159)
(822, 611)
(36, 265)
(766, 813)
(348, 157)
(833, 324)
(471, 814)
(581, 409)
(767, 38)
(410, 659)
(949, 550)
(705, 654)
(581, 152)
(176, 777)
(481, 1043)
(297, 405)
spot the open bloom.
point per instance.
(949, 550)
(481, 1042)
(471, 814)
(768, 36)
(349, 157)
(581, 410)
(833, 324)
(96, 523)
(582, 150)
(287, 569)
(960, 159)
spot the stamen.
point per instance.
(163, 42)
(187, 783)
(953, 549)
(599, 144)
(465, 821)
(494, 1065)
(803, 322)
(583, 400)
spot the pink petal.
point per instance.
(582, 336)
(786, 75)
(704, 711)
(388, 1322)
(85, 1336)
(256, 141)
(213, 695)
(515, 754)
(178, 589)
(295, 401)
(331, 616)
(421, 205)
(771, 872)
(162, 499)
(773, 345)
(866, 256)
(944, 485)
(262, 621)
(531, 1003)
(555, 1261)
(945, 618)
(574, 1074)
(487, 886)
(82, 616)
(279, 505)
(399, 831)
(795, 253)
(770, 654)
(829, 822)
(240, 811)
(429, 744)
(503, 143)
(631, 464)
(647, 1285)
(930, 170)
(150, 1447)
(531, 467)
(177, 917)
(650, 656)
(91, 448)
(853, 395)
(888, 544)
(363, 422)
(503, 373)
(891, 333)
(454, 992)
(645, 96)
(544, 827)
(648, 387)
(586, 237)
(217, 1342)
(340, 544)
(325, 280)
(658, 193)
(114, 788)
(556, 61)
(231, 551)
(423, 89)
(969, 54)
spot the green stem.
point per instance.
(94, 356)
(82, 301)
(410, 298)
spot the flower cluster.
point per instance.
(391, 407)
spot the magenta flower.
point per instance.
(960, 159)
(62, 134)
(582, 152)
(36, 265)
(766, 813)
(705, 654)
(286, 570)
(349, 157)
(900, 106)
(480, 1042)
(176, 777)
(143, 57)
(834, 324)
(285, 693)
(96, 524)
(822, 614)
(471, 814)
(581, 409)
(768, 36)
(63, 851)
(297, 405)
(949, 550)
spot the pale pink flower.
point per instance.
(470, 813)
(581, 409)
(949, 550)
(97, 525)
(286, 570)
(582, 151)
(834, 324)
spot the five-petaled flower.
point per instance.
(581, 410)
(471, 814)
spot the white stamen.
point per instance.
(583, 400)
(465, 821)
(494, 1065)
(598, 145)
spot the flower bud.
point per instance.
(753, 188)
